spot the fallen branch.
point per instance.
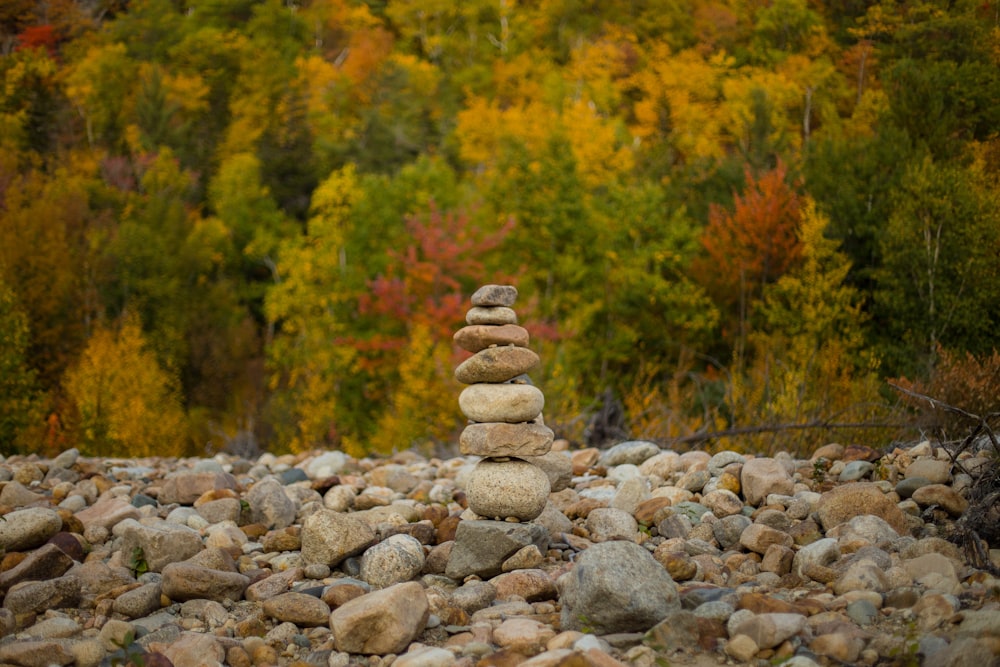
(778, 428)
(982, 423)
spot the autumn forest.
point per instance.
(252, 225)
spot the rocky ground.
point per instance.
(642, 557)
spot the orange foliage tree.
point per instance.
(750, 246)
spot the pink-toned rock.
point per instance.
(496, 364)
(503, 439)
(532, 585)
(761, 477)
(758, 538)
(194, 649)
(382, 622)
(478, 337)
(523, 635)
(107, 512)
(184, 488)
(943, 496)
(769, 630)
(299, 608)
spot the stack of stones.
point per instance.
(505, 491)
(504, 408)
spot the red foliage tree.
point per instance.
(39, 37)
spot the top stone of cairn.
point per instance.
(495, 295)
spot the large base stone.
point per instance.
(482, 546)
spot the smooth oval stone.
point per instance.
(507, 489)
(495, 295)
(491, 315)
(510, 403)
(496, 364)
(480, 336)
(503, 439)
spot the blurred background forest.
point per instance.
(254, 225)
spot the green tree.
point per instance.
(20, 398)
(938, 282)
(310, 364)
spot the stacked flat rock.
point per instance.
(504, 409)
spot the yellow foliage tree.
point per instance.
(306, 361)
(808, 363)
(125, 403)
(423, 407)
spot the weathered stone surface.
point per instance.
(186, 487)
(846, 502)
(758, 538)
(270, 505)
(635, 452)
(138, 602)
(329, 537)
(495, 295)
(936, 472)
(46, 562)
(107, 512)
(499, 489)
(275, 584)
(188, 581)
(481, 547)
(761, 477)
(501, 402)
(616, 587)
(396, 559)
(504, 439)
(609, 523)
(945, 497)
(492, 315)
(557, 466)
(37, 596)
(480, 336)
(28, 528)
(530, 583)
(35, 653)
(298, 608)
(496, 364)
(160, 544)
(381, 622)
(769, 630)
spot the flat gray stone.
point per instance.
(482, 546)
(495, 295)
(491, 315)
(616, 587)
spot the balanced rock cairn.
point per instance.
(505, 410)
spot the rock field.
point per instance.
(642, 556)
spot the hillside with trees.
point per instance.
(255, 224)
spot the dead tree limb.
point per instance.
(777, 428)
